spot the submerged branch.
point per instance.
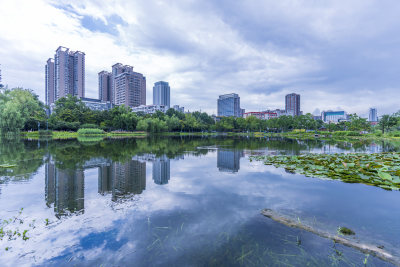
(364, 248)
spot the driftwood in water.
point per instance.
(365, 248)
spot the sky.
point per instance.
(336, 54)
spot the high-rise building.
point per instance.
(161, 94)
(373, 115)
(50, 88)
(69, 73)
(105, 86)
(130, 89)
(229, 105)
(292, 104)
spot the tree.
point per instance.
(20, 109)
(386, 122)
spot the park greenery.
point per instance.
(21, 110)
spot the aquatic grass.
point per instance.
(379, 169)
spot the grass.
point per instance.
(87, 132)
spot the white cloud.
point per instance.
(334, 53)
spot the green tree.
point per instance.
(386, 122)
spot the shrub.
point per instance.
(90, 131)
(88, 126)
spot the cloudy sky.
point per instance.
(336, 54)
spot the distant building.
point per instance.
(96, 104)
(150, 109)
(229, 105)
(105, 86)
(316, 117)
(129, 89)
(292, 104)
(161, 94)
(179, 109)
(263, 115)
(373, 115)
(333, 116)
(69, 73)
(50, 92)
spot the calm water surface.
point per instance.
(183, 202)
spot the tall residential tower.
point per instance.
(105, 86)
(65, 75)
(292, 104)
(50, 89)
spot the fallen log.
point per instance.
(364, 248)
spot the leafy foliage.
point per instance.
(382, 169)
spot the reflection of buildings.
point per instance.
(229, 160)
(64, 189)
(161, 170)
(128, 178)
(122, 179)
(161, 167)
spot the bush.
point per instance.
(90, 131)
(394, 134)
(45, 132)
(88, 126)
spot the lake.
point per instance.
(184, 201)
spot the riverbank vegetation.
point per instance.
(380, 169)
(21, 110)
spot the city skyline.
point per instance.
(319, 57)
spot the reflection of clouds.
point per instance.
(211, 202)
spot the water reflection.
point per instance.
(64, 190)
(228, 160)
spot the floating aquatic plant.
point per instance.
(380, 169)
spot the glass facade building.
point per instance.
(229, 105)
(161, 94)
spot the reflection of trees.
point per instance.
(26, 155)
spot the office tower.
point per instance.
(373, 115)
(229, 160)
(292, 104)
(105, 86)
(69, 73)
(161, 94)
(229, 105)
(161, 170)
(50, 88)
(130, 89)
